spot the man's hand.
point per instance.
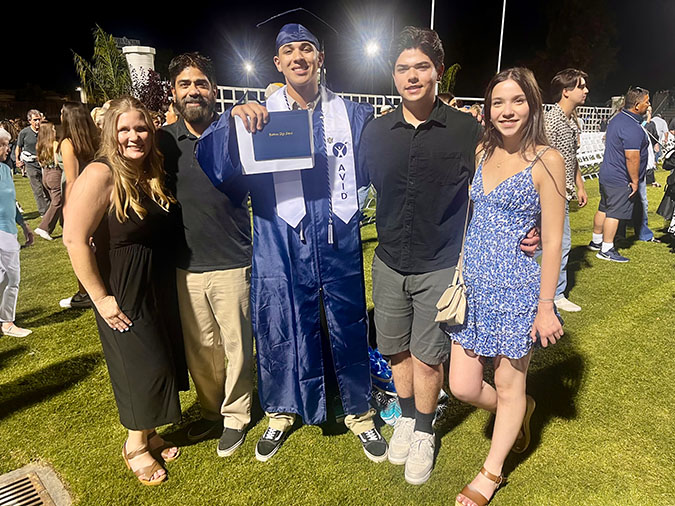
(531, 242)
(28, 233)
(19, 163)
(582, 196)
(634, 187)
(254, 115)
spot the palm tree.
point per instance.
(449, 79)
(107, 75)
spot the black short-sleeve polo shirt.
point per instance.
(217, 226)
(421, 176)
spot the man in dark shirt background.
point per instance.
(623, 166)
(26, 154)
(214, 264)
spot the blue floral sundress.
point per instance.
(502, 281)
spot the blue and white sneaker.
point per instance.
(611, 255)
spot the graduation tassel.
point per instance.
(330, 231)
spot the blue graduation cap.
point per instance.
(295, 32)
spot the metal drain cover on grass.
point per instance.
(32, 485)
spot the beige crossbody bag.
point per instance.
(452, 304)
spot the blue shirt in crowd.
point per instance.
(624, 132)
(9, 213)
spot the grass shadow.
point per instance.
(31, 216)
(65, 315)
(578, 259)
(554, 385)
(41, 385)
(11, 353)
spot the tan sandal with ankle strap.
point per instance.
(160, 446)
(523, 439)
(474, 495)
(144, 474)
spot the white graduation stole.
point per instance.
(341, 167)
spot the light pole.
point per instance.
(501, 38)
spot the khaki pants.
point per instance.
(356, 423)
(216, 319)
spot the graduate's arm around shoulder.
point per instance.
(548, 176)
(90, 200)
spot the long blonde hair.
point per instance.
(129, 181)
(45, 145)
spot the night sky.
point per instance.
(643, 34)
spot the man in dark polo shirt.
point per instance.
(26, 157)
(421, 160)
(623, 166)
(214, 265)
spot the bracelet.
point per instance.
(545, 300)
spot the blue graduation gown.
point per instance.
(293, 272)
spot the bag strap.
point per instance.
(459, 277)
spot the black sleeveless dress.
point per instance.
(147, 363)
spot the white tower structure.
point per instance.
(140, 58)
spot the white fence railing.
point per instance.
(591, 149)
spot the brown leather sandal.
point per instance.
(161, 447)
(144, 474)
(523, 440)
(474, 495)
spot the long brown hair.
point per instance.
(129, 180)
(45, 144)
(534, 133)
(80, 130)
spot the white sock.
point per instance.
(606, 246)
(597, 238)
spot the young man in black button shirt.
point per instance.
(421, 160)
(214, 265)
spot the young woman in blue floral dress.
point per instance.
(519, 183)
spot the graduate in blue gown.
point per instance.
(307, 287)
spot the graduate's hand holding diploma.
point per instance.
(254, 115)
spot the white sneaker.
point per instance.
(420, 461)
(399, 444)
(65, 303)
(44, 234)
(565, 305)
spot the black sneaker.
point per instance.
(374, 445)
(203, 428)
(230, 441)
(269, 443)
(594, 246)
(80, 301)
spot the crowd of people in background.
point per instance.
(154, 208)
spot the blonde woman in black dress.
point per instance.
(120, 200)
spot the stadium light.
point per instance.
(372, 48)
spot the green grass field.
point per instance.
(603, 429)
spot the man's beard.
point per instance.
(200, 114)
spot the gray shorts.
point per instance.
(405, 309)
(616, 203)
